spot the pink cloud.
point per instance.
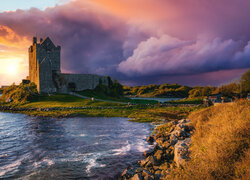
(131, 39)
(168, 55)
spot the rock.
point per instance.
(169, 154)
(156, 147)
(128, 173)
(146, 173)
(136, 177)
(148, 153)
(181, 152)
(166, 144)
(9, 100)
(150, 139)
(124, 172)
(159, 155)
(151, 161)
(143, 163)
(149, 178)
(159, 141)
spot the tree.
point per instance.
(229, 90)
(245, 82)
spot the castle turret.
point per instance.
(34, 40)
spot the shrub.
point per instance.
(20, 94)
(114, 89)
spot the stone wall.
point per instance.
(81, 82)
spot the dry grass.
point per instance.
(220, 144)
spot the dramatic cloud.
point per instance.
(171, 56)
(137, 41)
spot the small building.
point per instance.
(215, 98)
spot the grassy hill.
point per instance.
(164, 90)
(220, 143)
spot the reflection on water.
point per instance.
(49, 148)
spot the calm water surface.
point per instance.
(69, 148)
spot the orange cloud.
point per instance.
(13, 56)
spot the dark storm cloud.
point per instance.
(162, 40)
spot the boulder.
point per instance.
(148, 153)
(151, 161)
(146, 173)
(136, 177)
(149, 177)
(166, 144)
(150, 139)
(159, 155)
(181, 152)
(143, 162)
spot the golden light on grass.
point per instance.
(220, 143)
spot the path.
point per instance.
(86, 97)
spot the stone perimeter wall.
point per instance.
(81, 81)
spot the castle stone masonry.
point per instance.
(45, 70)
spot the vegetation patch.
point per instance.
(220, 143)
(19, 94)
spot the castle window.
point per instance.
(72, 86)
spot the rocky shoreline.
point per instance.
(171, 150)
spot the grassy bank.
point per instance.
(100, 95)
(65, 100)
(187, 101)
(135, 113)
(220, 143)
(67, 107)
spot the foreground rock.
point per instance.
(181, 151)
(171, 149)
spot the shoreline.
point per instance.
(137, 113)
(171, 150)
(140, 168)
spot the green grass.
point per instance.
(99, 95)
(136, 114)
(187, 101)
(64, 100)
(161, 114)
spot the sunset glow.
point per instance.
(135, 41)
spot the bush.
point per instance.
(20, 94)
(245, 82)
(114, 89)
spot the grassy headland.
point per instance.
(220, 143)
(218, 148)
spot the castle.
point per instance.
(45, 70)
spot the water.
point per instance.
(162, 100)
(69, 148)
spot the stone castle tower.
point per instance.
(45, 70)
(44, 60)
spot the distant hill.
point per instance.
(164, 90)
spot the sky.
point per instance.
(190, 42)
